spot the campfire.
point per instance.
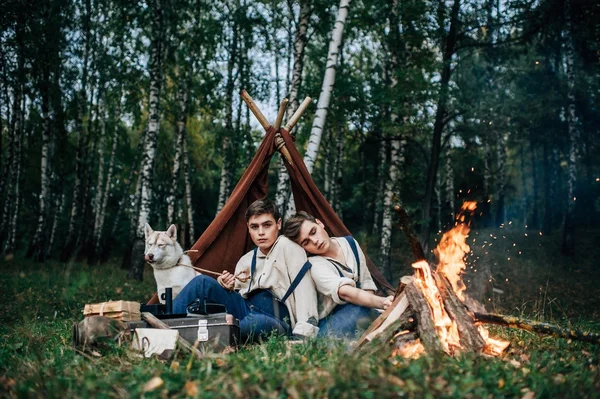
(431, 312)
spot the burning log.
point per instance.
(431, 313)
(435, 301)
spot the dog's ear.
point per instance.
(172, 232)
(147, 230)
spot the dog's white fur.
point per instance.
(172, 268)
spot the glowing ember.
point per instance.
(410, 350)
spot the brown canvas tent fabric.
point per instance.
(226, 239)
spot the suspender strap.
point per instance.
(355, 252)
(297, 280)
(252, 268)
(339, 266)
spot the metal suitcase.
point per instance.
(214, 332)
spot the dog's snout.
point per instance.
(150, 256)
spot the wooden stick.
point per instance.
(198, 269)
(282, 108)
(538, 327)
(156, 323)
(406, 226)
(254, 108)
(294, 119)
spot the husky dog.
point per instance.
(171, 267)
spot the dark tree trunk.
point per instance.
(438, 127)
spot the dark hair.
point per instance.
(292, 226)
(261, 207)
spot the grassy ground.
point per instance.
(40, 304)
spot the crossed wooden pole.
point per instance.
(279, 143)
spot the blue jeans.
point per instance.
(254, 322)
(345, 320)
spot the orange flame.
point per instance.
(446, 328)
(451, 252)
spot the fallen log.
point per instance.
(538, 327)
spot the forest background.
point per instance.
(115, 113)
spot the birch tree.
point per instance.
(283, 187)
(11, 204)
(318, 125)
(150, 142)
(77, 201)
(228, 162)
(397, 146)
(182, 97)
(188, 192)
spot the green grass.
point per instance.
(41, 303)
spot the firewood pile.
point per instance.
(431, 312)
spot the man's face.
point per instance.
(313, 238)
(263, 231)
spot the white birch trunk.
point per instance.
(386, 223)
(111, 164)
(396, 156)
(181, 121)
(283, 188)
(226, 172)
(150, 142)
(188, 192)
(314, 141)
(38, 249)
(224, 185)
(379, 195)
(337, 173)
(77, 202)
(59, 206)
(98, 198)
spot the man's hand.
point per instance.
(227, 280)
(387, 302)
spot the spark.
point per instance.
(525, 234)
(490, 200)
(537, 63)
(540, 233)
(507, 280)
(509, 223)
(508, 259)
(473, 170)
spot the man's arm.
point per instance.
(364, 298)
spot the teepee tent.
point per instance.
(226, 239)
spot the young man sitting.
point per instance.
(264, 303)
(344, 283)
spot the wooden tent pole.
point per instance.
(279, 143)
(255, 110)
(294, 119)
(282, 108)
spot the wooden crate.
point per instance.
(120, 310)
